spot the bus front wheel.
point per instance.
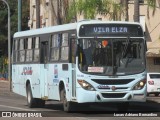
(67, 105)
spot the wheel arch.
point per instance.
(61, 87)
(27, 83)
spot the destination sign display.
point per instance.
(110, 30)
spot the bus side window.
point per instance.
(35, 47)
(21, 52)
(29, 51)
(15, 50)
(55, 43)
(64, 47)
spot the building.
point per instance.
(148, 17)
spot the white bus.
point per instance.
(86, 62)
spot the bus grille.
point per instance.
(113, 81)
(113, 95)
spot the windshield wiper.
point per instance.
(125, 59)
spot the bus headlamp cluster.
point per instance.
(85, 85)
(139, 85)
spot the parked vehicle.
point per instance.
(153, 83)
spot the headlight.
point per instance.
(139, 85)
(85, 85)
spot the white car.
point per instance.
(153, 83)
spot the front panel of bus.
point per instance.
(111, 63)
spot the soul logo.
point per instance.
(27, 71)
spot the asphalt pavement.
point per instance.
(13, 102)
(5, 89)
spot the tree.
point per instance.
(14, 17)
(125, 3)
(150, 4)
(90, 8)
(14, 20)
(110, 8)
(13, 4)
(37, 13)
(136, 10)
(62, 11)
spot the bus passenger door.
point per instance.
(73, 50)
(44, 69)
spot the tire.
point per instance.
(30, 100)
(40, 103)
(123, 107)
(67, 105)
(33, 102)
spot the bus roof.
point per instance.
(45, 30)
(65, 27)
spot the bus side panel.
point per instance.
(53, 90)
(65, 74)
(56, 74)
(18, 79)
(22, 74)
(15, 79)
(34, 76)
(43, 82)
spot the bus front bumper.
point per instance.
(110, 96)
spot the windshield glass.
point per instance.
(111, 56)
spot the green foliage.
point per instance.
(3, 23)
(25, 14)
(118, 11)
(152, 4)
(13, 4)
(4, 18)
(3, 64)
(90, 8)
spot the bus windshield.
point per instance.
(118, 56)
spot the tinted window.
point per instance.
(21, 51)
(35, 46)
(29, 51)
(55, 44)
(64, 47)
(153, 76)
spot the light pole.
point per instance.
(19, 14)
(9, 45)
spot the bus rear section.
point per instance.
(153, 83)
